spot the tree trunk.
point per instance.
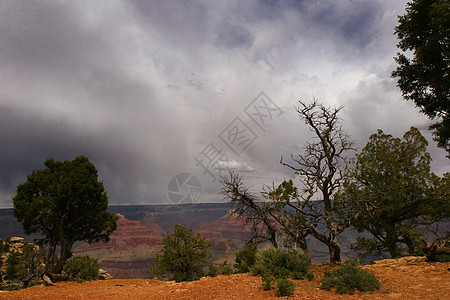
(391, 242)
(308, 254)
(431, 250)
(50, 259)
(66, 253)
(335, 253)
(393, 249)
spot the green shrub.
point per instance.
(267, 283)
(285, 287)
(81, 268)
(13, 269)
(223, 269)
(182, 257)
(245, 259)
(23, 268)
(280, 263)
(442, 258)
(212, 270)
(350, 278)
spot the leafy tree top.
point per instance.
(65, 203)
(391, 191)
(425, 78)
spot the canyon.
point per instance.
(133, 247)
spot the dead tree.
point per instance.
(250, 210)
(270, 217)
(321, 169)
(431, 250)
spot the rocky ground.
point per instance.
(405, 278)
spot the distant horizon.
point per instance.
(161, 204)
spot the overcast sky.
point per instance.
(151, 89)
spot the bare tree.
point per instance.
(321, 170)
(289, 214)
(273, 219)
(252, 212)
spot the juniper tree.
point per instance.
(423, 69)
(392, 192)
(64, 203)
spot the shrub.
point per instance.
(182, 256)
(81, 268)
(223, 269)
(4, 248)
(267, 283)
(24, 267)
(13, 269)
(280, 263)
(442, 258)
(285, 287)
(350, 278)
(245, 259)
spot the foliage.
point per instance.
(285, 287)
(245, 259)
(65, 203)
(390, 192)
(182, 256)
(267, 282)
(81, 268)
(2, 248)
(350, 278)
(424, 78)
(437, 213)
(280, 262)
(442, 258)
(13, 269)
(223, 269)
(24, 267)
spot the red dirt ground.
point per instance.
(405, 278)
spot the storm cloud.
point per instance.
(145, 89)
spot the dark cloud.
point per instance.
(181, 22)
(233, 36)
(350, 21)
(354, 22)
(28, 140)
(141, 87)
(47, 37)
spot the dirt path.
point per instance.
(406, 278)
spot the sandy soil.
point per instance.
(405, 278)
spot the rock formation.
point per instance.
(130, 251)
(226, 235)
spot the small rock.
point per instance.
(103, 274)
(47, 280)
(16, 239)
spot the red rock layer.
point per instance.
(128, 234)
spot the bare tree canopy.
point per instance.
(290, 213)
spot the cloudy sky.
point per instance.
(151, 89)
